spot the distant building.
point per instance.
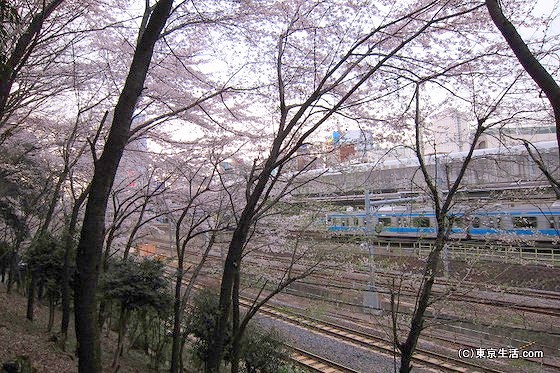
(346, 152)
(452, 131)
(349, 146)
(448, 132)
(515, 135)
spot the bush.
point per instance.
(137, 284)
(261, 350)
(200, 323)
(45, 259)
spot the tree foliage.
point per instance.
(137, 283)
(45, 258)
(200, 323)
(261, 350)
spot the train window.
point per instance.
(476, 222)
(162, 219)
(524, 221)
(402, 222)
(495, 223)
(356, 222)
(421, 222)
(458, 222)
(385, 221)
(344, 222)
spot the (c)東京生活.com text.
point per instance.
(499, 353)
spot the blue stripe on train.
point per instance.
(473, 231)
(431, 215)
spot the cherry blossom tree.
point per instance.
(297, 68)
(131, 199)
(528, 59)
(198, 214)
(160, 102)
(21, 31)
(91, 239)
(442, 204)
(35, 68)
(492, 102)
(314, 84)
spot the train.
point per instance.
(535, 222)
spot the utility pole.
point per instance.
(371, 298)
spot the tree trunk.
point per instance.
(417, 324)
(13, 272)
(102, 316)
(4, 261)
(3, 271)
(236, 332)
(183, 342)
(40, 289)
(31, 296)
(91, 239)
(177, 319)
(138, 337)
(134, 230)
(233, 262)
(21, 53)
(145, 328)
(12, 269)
(233, 259)
(109, 319)
(123, 318)
(51, 311)
(530, 63)
(66, 275)
(53, 202)
(65, 291)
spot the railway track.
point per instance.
(422, 356)
(452, 342)
(545, 310)
(533, 293)
(468, 298)
(316, 363)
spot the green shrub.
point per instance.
(261, 350)
(200, 324)
(136, 284)
(45, 258)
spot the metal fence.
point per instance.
(496, 253)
